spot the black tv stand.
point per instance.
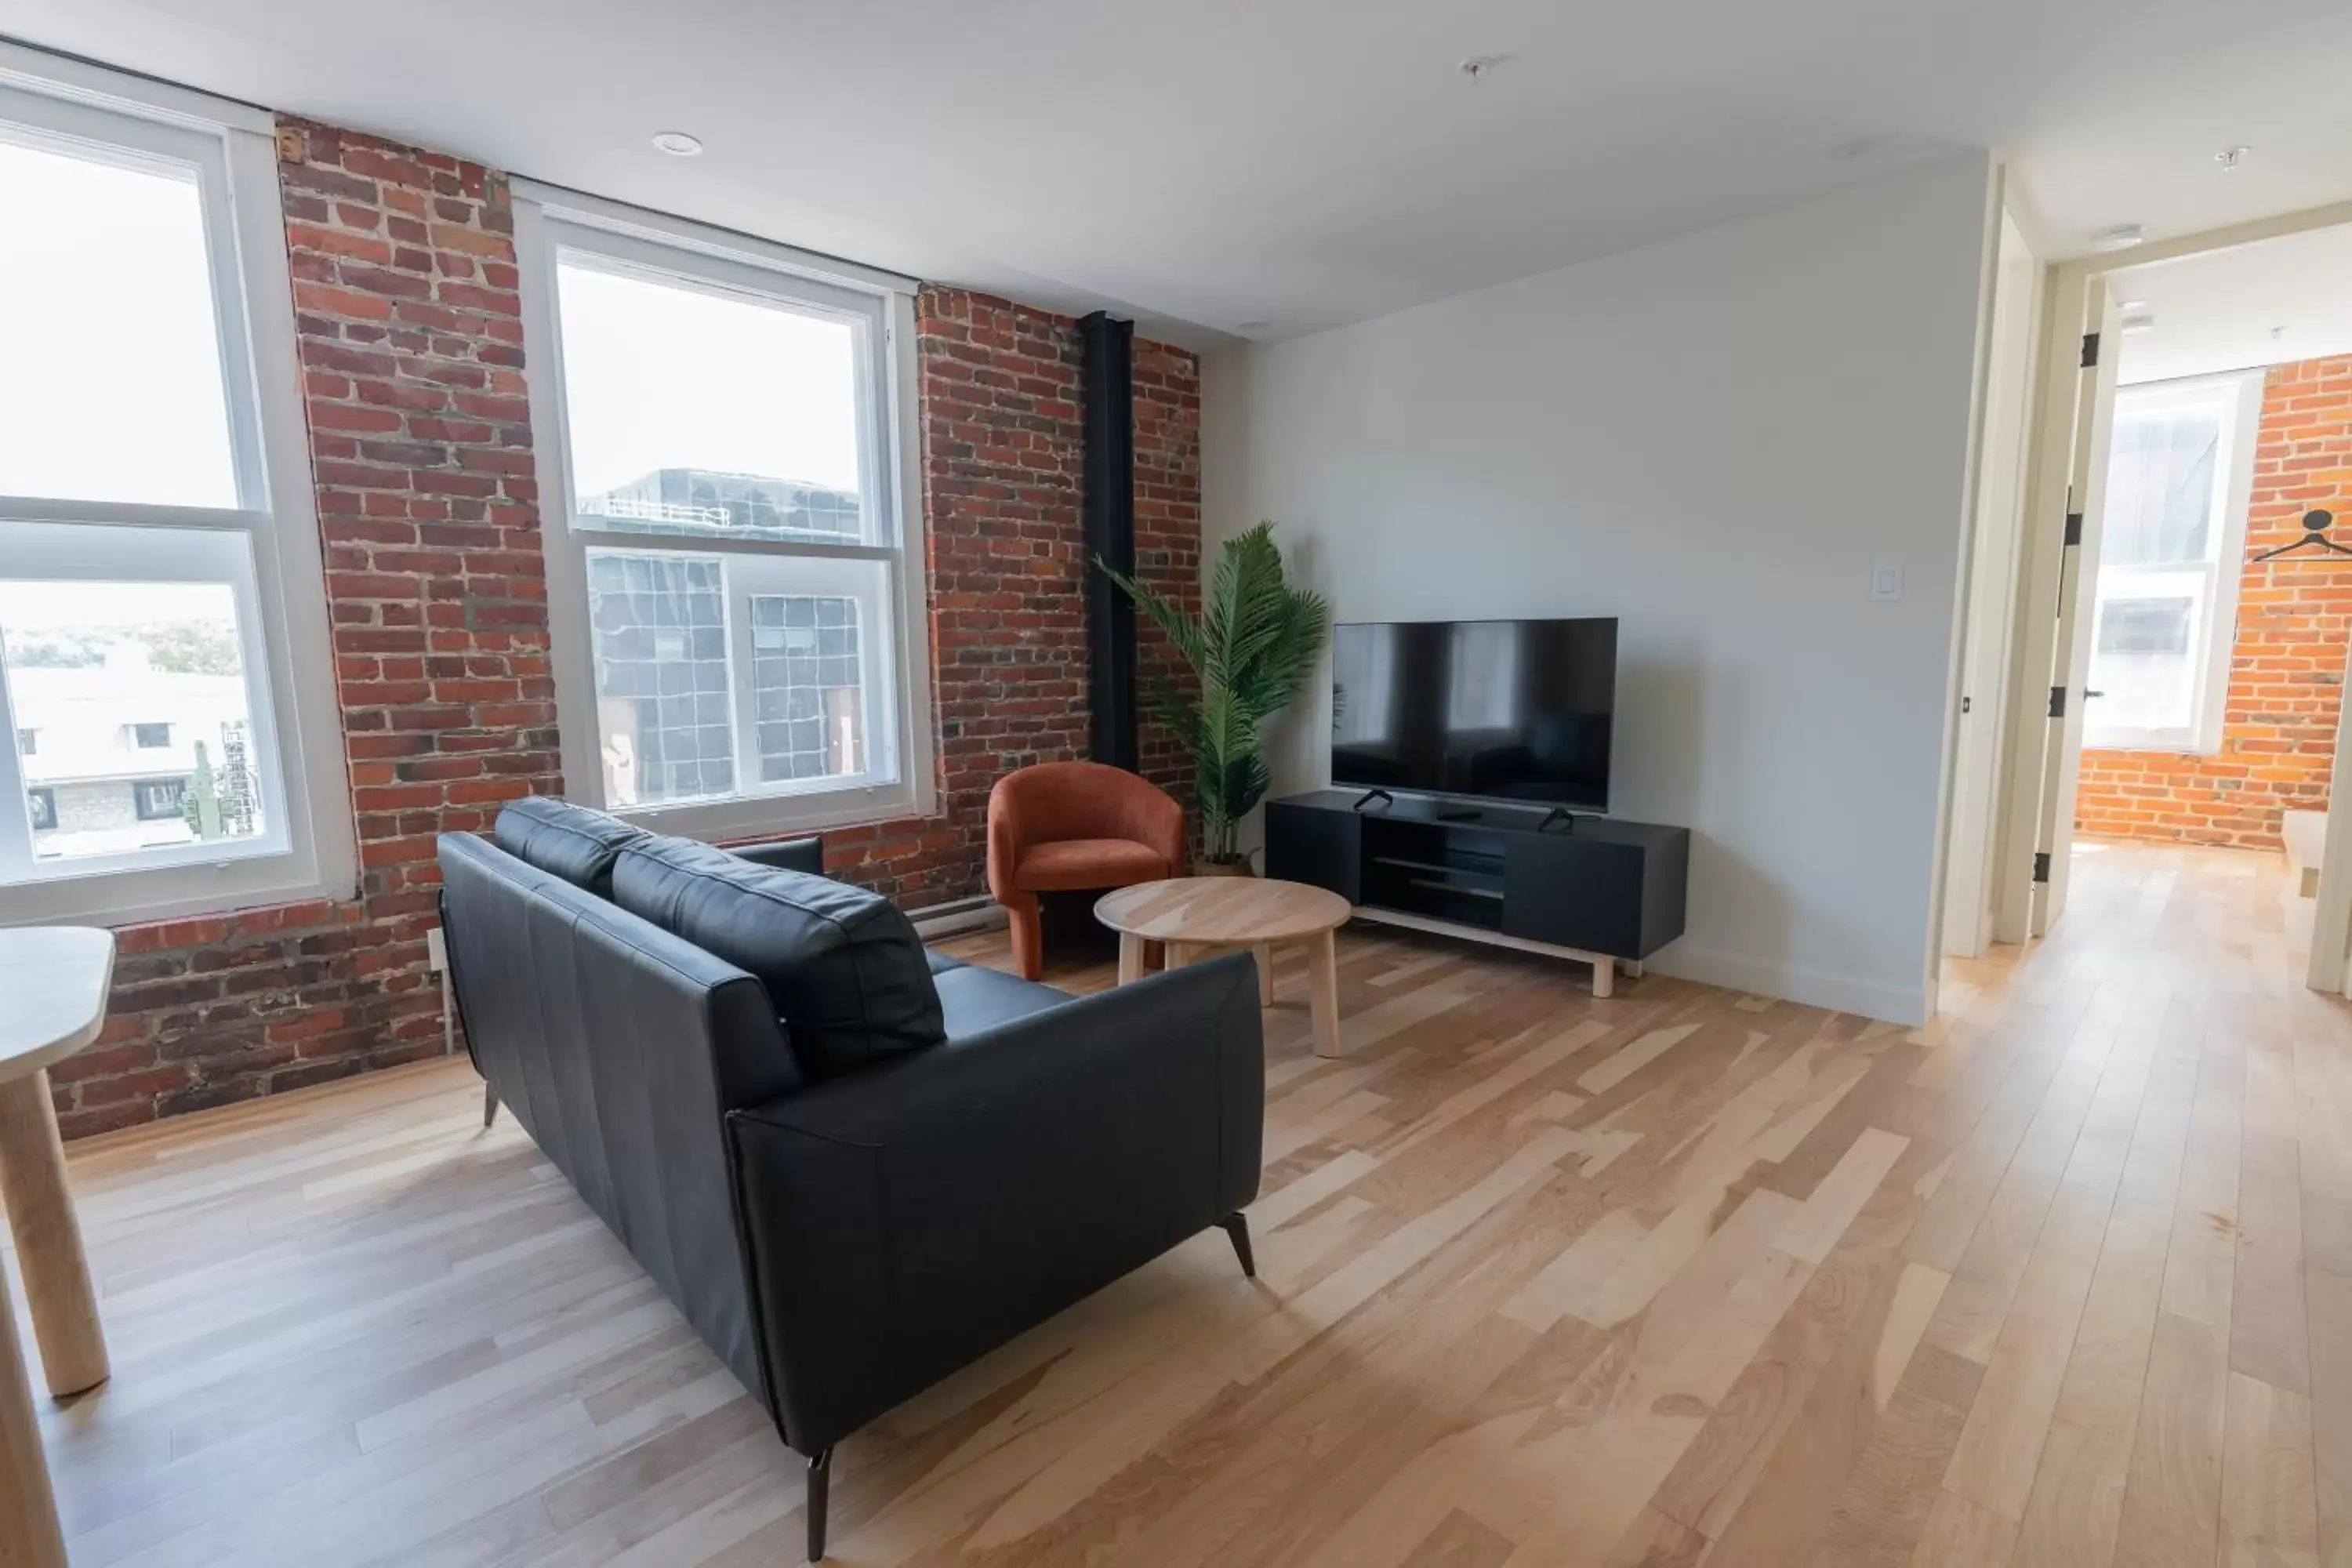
(1370, 796)
(1605, 891)
(1557, 813)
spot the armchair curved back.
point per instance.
(1049, 801)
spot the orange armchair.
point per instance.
(1063, 827)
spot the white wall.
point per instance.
(1713, 439)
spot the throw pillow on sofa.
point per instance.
(847, 974)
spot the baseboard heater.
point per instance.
(979, 912)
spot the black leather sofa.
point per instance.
(855, 1166)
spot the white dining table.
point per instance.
(53, 984)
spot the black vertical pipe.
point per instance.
(1106, 360)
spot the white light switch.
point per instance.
(1886, 581)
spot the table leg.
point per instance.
(1131, 957)
(1605, 977)
(49, 1240)
(1265, 974)
(30, 1537)
(1181, 953)
(1323, 992)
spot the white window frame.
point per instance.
(2215, 636)
(267, 546)
(550, 222)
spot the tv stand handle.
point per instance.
(1557, 813)
(1370, 796)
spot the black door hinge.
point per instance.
(2042, 865)
(2074, 528)
(2057, 702)
(2090, 349)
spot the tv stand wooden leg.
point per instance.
(1604, 976)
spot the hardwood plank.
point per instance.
(1676, 1278)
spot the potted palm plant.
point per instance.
(1252, 643)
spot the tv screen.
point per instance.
(1506, 710)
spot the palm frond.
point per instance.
(1255, 640)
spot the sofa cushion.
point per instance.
(973, 999)
(847, 974)
(1066, 865)
(939, 962)
(564, 840)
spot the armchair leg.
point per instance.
(820, 1471)
(489, 1104)
(1236, 1229)
(1028, 943)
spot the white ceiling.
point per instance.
(2217, 311)
(1203, 163)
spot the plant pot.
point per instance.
(1206, 867)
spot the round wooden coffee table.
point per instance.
(1198, 915)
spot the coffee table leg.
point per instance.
(1131, 957)
(1323, 992)
(28, 1511)
(1265, 974)
(1180, 953)
(48, 1238)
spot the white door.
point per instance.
(1992, 595)
(2086, 489)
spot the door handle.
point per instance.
(2090, 694)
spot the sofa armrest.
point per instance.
(785, 854)
(902, 1221)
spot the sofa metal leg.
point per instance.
(820, 1471)
(489, 1104)
(1236, 1228)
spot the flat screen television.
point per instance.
(1514, 711)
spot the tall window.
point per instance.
(739, 611)
(2172, 535)
(158, 556)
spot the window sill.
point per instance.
(782, 817)
(166, 894)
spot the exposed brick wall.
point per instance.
(411, 345)
(2286, 667)
(1003, 483)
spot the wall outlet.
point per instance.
(1886, 581)
(436, 952)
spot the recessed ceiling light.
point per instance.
(2120, 236)
(2134, 325)
(678, 143)
(2231, 157)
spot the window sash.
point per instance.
(2237, 398)
(551, 226)
(281, 602)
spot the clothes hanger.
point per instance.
(2316, 523)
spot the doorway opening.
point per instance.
(2220, 615)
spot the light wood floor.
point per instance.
(1683, 1277)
